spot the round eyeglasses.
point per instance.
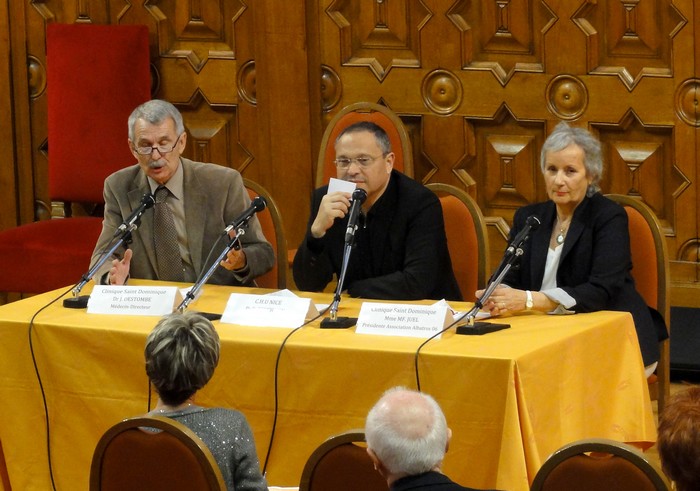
(162, 149)
(363, 161)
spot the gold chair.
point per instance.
(341, 463)
(273, 229)
(598, 464)
(175, 458)
(354, 113)
(648, 242)
(467, 239)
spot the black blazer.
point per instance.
(595, 265)
(400, 248)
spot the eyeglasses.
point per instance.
(162, 149)
(363, 161)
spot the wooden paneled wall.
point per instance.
(479, 84)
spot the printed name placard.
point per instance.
(132, 300)
(268, 310)
(418, 321)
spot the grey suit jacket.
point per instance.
(214, 197)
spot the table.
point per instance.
(511, 397)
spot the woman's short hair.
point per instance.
(679, 439)
(379, 134)
(155, 112)
(405, 448)
(181, 354)
(565, 135)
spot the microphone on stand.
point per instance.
(123, 234)
(334, 322)
(513, 251)
(258, 204)
(131, 223)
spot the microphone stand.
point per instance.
(335, 322)
(80, 301)
(478, 328)
(192, 293)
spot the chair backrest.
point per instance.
(271, 222)
(364, 111)
(467, 239)
(648, 243)
(96, 75)
(341, 463)
(598, 464)
(175, 458)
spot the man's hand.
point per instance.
(120, 269)
(333, 205)
(235, 260)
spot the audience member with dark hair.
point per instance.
(181, 354)
(679, 439)
(407, 437)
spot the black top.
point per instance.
(430, 481)
(595, 264)
(400, 250)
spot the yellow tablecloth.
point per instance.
(511, 397)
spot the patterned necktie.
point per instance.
(165, 239)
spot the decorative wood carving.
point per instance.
(630, 38)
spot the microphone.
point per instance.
(531, 225)
(258, 204)
(358, 197)
(147, 201)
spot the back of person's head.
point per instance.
(156, 111)
(679, 439)
(181, 354)
(564, 135)
(379, 134)
(407, 432)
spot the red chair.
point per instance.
(96, 75)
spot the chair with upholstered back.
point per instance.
(467, 239)
(271, 223)
(96, 75)
(173, 458)
(341, 463)
(647, 244)
(598, 464)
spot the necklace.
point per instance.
(562, 231)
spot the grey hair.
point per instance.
(565, 135)
(408, 439)
(379, 134)
(154, 112)
(181, 354)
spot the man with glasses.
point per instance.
(194, 204)
(400, 250)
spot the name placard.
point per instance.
(418, 321)
(132, 300)
(268, 310)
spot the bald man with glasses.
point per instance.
(400, 250)
(194, 203)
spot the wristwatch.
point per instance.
(528, 303)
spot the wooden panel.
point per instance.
(478, 85)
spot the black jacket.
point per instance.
(595, 264)
(400, 250)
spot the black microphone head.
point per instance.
(360, 195)
(533, 222)
(148, 200)
(259, 203)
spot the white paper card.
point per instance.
(268, 310)
(340, 185)
(132, 300)
(418, 321)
